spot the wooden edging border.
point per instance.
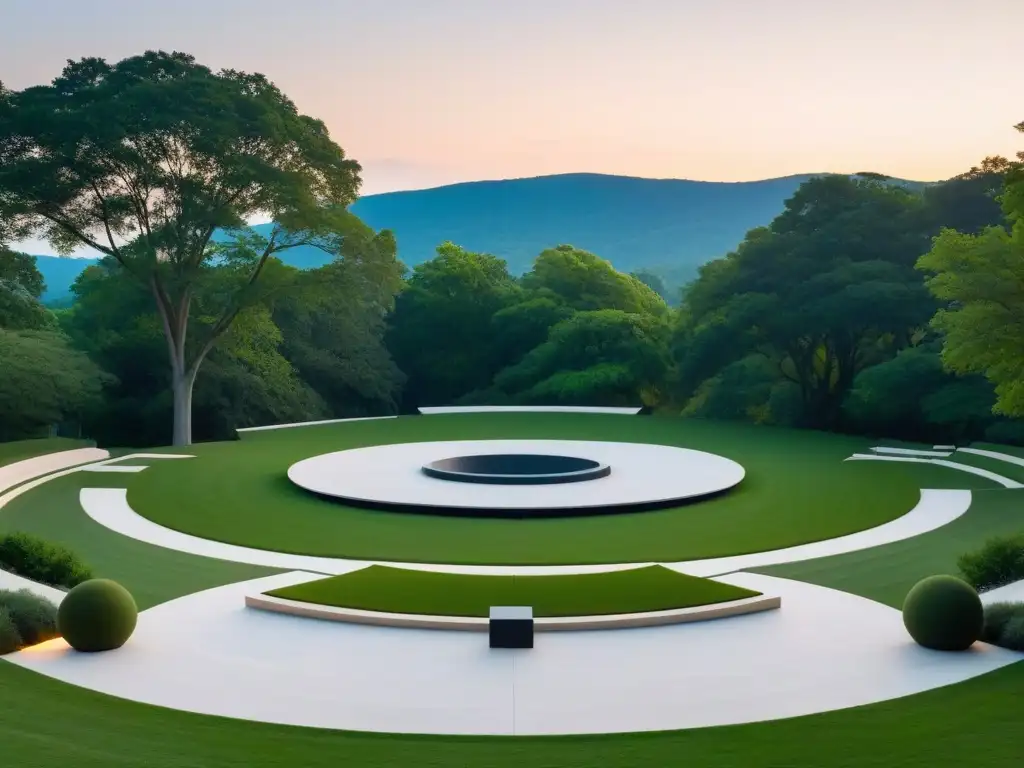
(551, 624)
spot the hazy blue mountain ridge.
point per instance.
(669, 226)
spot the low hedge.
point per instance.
(39, 560)
(999, 562)
(1004, 625)
(25, 619)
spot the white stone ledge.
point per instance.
(739, 607)
(269, 427)
(526, 409)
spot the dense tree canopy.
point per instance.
(444, 314)
(823, 292)
(144, 160)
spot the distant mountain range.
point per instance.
(667, 226)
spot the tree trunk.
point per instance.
(181, 387)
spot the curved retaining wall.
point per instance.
(544, 624)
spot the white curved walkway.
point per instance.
(824, 650)
(29, 469)
(919, 459)
(110, 508)
(15, 583)
(1011, 593)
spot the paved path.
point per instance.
(823, 650)
(109, 507)
(29, 469)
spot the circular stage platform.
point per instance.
(626, 477)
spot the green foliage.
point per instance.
(912, 396)
(97, 615)
(607, 357)
(586, 282)
(21, 285)
(981, 280)
(999, 562)
(943, 613)
(145, 159)
(1004, 625)
(44, 381)
(32, 620)
(33, 558)
(246, 380)
(10, 640)
(34, 617)
(333, 327)
(824, 292)
(440, 331)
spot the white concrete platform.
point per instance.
(824, 650)
(110, 508)
(641, 473)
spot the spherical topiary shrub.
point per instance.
(97, 615)
(944, 613)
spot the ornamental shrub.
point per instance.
(944, 613)
(34, 618)
(1000, 561)
(42, 561)
(97, 615)
(10, 640)
(1004, 625)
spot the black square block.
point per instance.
(511, 626)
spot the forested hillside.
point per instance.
(858, 305)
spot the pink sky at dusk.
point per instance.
(427, 92)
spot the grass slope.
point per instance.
(20, 450)
(888, 572)
(152, 574)
(797, 489)
(977, 723)
(396, 590)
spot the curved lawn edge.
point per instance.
(401, 591)
(791, 476)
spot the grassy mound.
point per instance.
(397, 590)
(239, 493)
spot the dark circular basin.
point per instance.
(516, 469)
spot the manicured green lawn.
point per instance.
(152, 574)
(27, 449)
(797, 489)
(47, 723)
(888, 572)
(396, 590)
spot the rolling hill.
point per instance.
(668, 226)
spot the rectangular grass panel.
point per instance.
(399, 590)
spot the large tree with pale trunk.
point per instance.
(146, 160)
